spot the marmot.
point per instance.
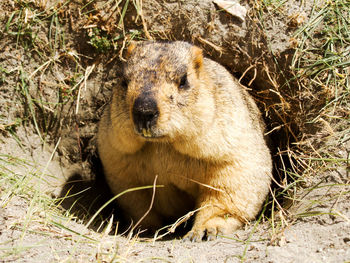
(183, 117)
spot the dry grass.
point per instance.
(320, 69)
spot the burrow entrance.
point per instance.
(86, 191)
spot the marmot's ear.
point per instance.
(131, 47)
(197, 56)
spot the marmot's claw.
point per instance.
(215, 226)
(198, 235)
(211, 237)
(194, 236)
(211, 234)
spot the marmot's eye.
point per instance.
(183, 82)
(124, 84)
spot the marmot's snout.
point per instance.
(145, 114)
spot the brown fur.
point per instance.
(206, 147)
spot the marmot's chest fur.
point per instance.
(185, 119)
(153, 159)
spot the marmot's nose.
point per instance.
(145, 113)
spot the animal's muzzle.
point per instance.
(145, 114)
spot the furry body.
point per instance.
(182, 117)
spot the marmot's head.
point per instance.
(164, 90)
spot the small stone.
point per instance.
(233, 8)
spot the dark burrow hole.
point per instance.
(86, 190)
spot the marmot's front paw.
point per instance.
(219, 225)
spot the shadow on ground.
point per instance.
(85, 192)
